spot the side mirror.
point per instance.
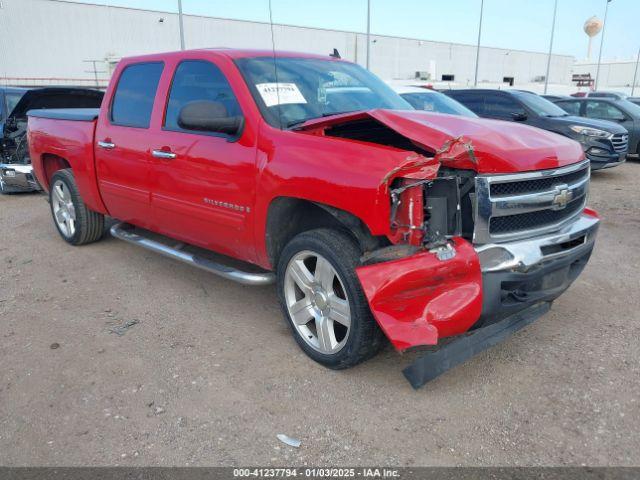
(519, 116)
(208, 116)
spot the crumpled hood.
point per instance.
(490, 146)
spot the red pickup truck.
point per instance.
(375, 220)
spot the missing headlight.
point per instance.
(443, 218)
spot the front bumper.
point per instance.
(18, 178)
(520, 280)
(598, 162)
(518, 275)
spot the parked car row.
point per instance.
(616, 110)
(605, 143)
(606, 124)
(16, 173)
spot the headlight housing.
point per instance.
(590, 132)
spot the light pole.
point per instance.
(553, 28)
(604, 25)
(635, 74)
(368, 32)
(475, 77)
(181, 25)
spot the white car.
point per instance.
(432, 101)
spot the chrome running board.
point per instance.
(123, 231)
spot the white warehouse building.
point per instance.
(614, 75)
(45, 42)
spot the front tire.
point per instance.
(322, 299)
(75, 223)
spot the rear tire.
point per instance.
(322, 299)
(75, 223)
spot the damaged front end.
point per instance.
(480, 245)
(435, 289)
(16, 172)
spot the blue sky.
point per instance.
(518, 24)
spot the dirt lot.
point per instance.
(211, 374)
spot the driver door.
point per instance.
(204, 182)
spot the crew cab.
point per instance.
(375, 220)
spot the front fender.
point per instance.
(419, 299)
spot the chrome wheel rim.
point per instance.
(317, 302)
(64, 213)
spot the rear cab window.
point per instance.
(135, 93)
(194, 81)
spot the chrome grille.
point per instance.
(620, 142)
(508, 207)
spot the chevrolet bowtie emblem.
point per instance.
(562, 197)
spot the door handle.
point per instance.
(163, 154)
(107, 145)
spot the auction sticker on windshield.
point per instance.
(280, 93)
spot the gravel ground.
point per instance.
(207, 372)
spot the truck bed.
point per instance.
(73, 114)
(64, 138)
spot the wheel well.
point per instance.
(51, 164)
(288, 217)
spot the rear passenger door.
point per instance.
(204, 186)
(473, 101)
(572, 107)
(123, 160)
(503, 107)
(604, 110)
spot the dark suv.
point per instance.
(604, 143)
(619, 110)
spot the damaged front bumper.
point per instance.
(17, 178)
(480, 296)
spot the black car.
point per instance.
(621, 111)
(15, 164)
(604, 143)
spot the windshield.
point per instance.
(309, 88)
(12, 99)
(540, 106)
(631, 107)
(437, 102)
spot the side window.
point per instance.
(133, 100)
(501, 106)
(475, 103)
(197, 80)
(572, 108)
(603, 110)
